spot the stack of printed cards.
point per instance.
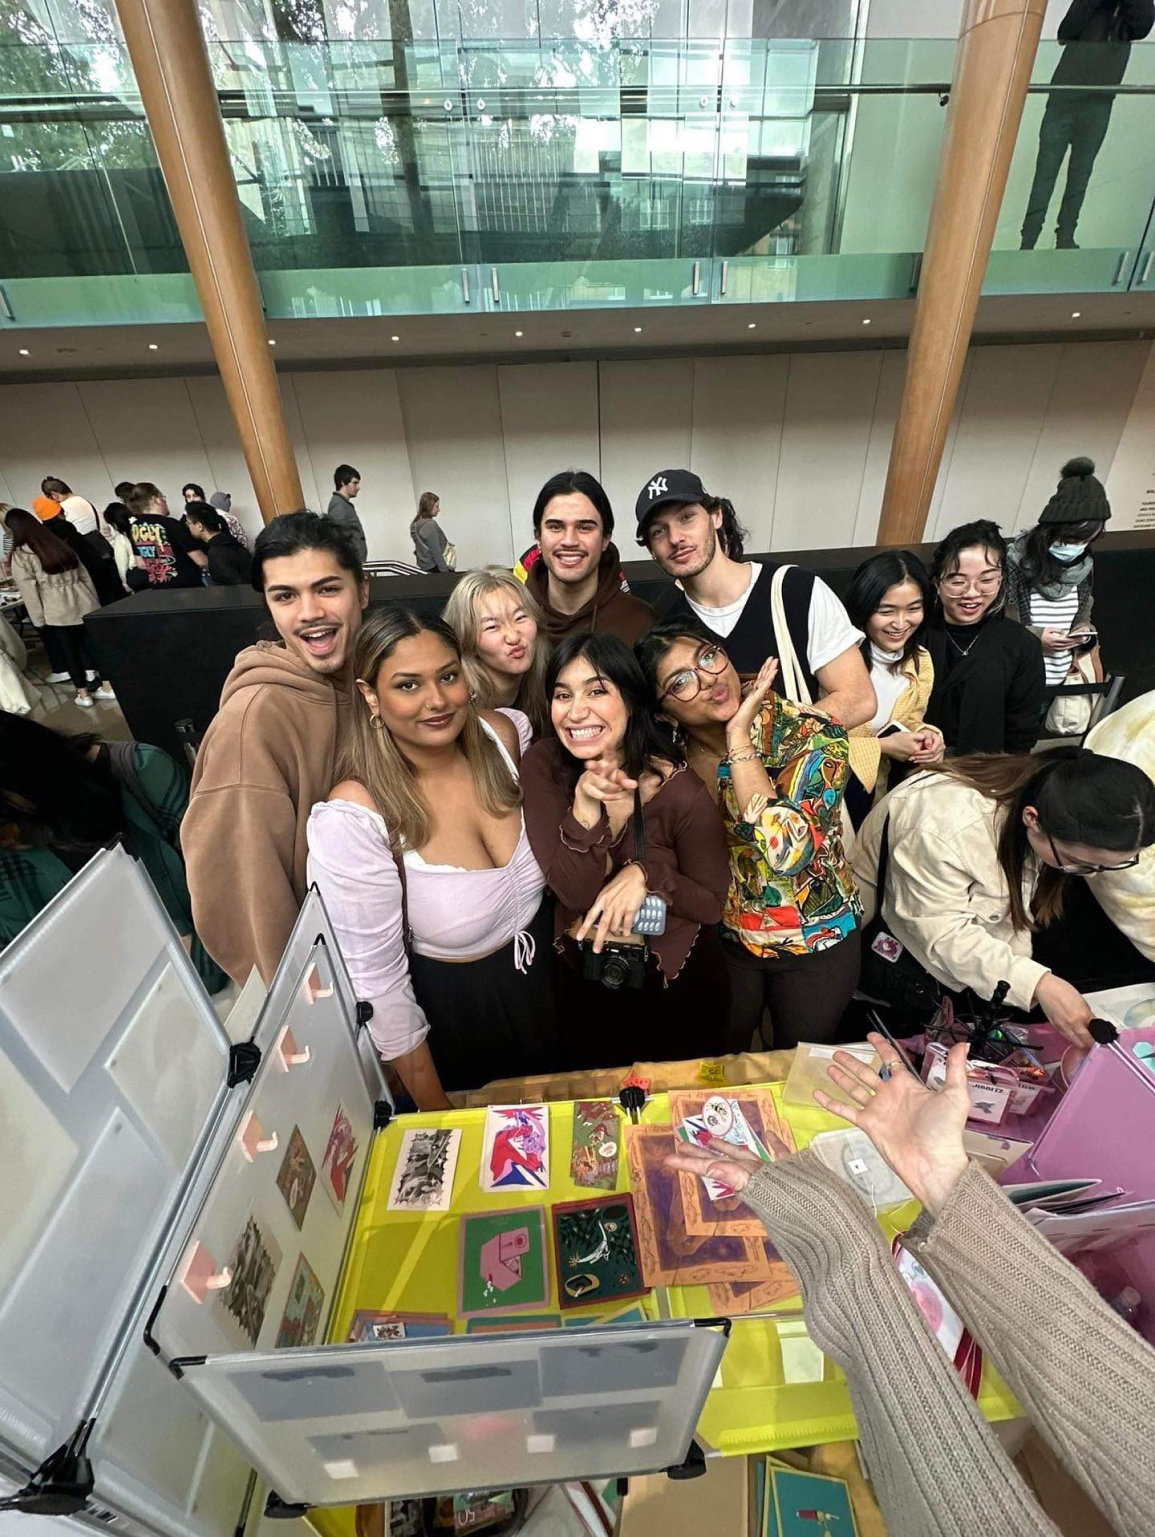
(370, 1325)
(724, 1118)
(515, 1152)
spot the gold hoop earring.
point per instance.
(377, 723)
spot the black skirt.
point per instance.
(487, 1020)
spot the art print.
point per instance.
(253, 1267)
(596, 1133)
(595, 1251)
(302, 1315)
(296, 1177)
(340, 1155)
(375, 1326)
(706, 1214)
(423, 1176)
(701, 1118)
(515, 1151)
(502, 1263)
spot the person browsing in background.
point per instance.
(978, 853)
(63, 798)
(342, 513)
(80, 513)
(426, 831)
(988, 686)
(431, 549)
(124, 556)
(230, 564)
(270, 753)
(626, 998)
(221, 502)
(1050, 572)
(577, 581)
(696, 539)
(778, 772)
(889, 599)
(168, 553)
(504, 650)
(57, 593)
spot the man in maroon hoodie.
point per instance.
(578, 580)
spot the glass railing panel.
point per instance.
(304, 293)
(575, 285)
(167, 298)
(790, 279)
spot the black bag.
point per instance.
(890, 974)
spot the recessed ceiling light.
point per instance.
(395, 338)
(866, 322)
(153, 347)
(637, 330)
(272, 343)
(519, 333)
(24, 352)
(752, 325)
(1075, 314)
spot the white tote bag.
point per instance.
(794, 679)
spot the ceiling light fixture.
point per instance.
(24, 352)
(866, 322)
(1075, 314)
(153, 347)
(395, 338)
(751, 325)
(272, 343)
(637, 330)
(519, 333)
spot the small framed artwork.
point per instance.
(340, 1156)
(423, 1176)
(296, 1177)
(596, 1251)
(502, 1263)
(253, 1266)
(302, 1315)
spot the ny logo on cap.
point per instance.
(657, 487)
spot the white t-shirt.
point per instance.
(80, 513)
(829, 631)
(889, 684)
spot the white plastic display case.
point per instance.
(138, 1145)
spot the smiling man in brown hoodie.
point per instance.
(578, 580)
(271, 751)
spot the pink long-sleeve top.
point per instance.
(455, 914)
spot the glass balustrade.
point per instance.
(453, 172)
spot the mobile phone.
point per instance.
(892, 727)
(1083, 637)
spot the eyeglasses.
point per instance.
(1076, 869)
(957, 584)
(687, 684)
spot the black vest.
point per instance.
(752, 639)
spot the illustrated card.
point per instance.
(705, 1212)
(302, 1315)
(423, 1177)
(340, 1155)
(669, 1255)
(370, 1325)
(594, 1157)
(253, 1266)
(807, 1505)
(595, 1251)
(296, 1177)
(502, 1263)
(700, 1117)
(515, 1152)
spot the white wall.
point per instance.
(799, 442)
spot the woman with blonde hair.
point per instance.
(504, 649)
(422, 858)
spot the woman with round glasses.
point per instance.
(979, 854)
(988, 690)
(778, 772)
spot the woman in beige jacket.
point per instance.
(57, 593)
(980, 850)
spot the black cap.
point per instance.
(681, 486)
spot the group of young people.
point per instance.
(553, 828)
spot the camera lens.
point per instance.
(614, 973)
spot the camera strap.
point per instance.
(639, 828)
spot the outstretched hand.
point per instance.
(917, 1130)
(723, 1161)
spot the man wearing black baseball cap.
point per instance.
(696, 538)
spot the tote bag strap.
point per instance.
(790, 670)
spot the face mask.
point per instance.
(1066, 553)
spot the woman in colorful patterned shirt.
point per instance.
(778, 772)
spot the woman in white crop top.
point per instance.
(470, 998)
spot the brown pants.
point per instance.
(804, 995)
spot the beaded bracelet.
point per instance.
(740, 757)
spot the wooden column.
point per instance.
(996, 51)
(168, 54)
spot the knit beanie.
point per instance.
(222, 501)
(1080, 497)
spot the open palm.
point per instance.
(917, 1130)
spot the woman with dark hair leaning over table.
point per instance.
(1084, 1377)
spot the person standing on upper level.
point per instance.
(578, 580)
(347, 485)
(696, 539)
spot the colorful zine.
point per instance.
(807, 1505)
(594, 1159)
(502, 1262)
(596, 1251)
(368, 1325)
(302, 1315)
(515, 1152)
(722, 1118)
(423, 1177)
